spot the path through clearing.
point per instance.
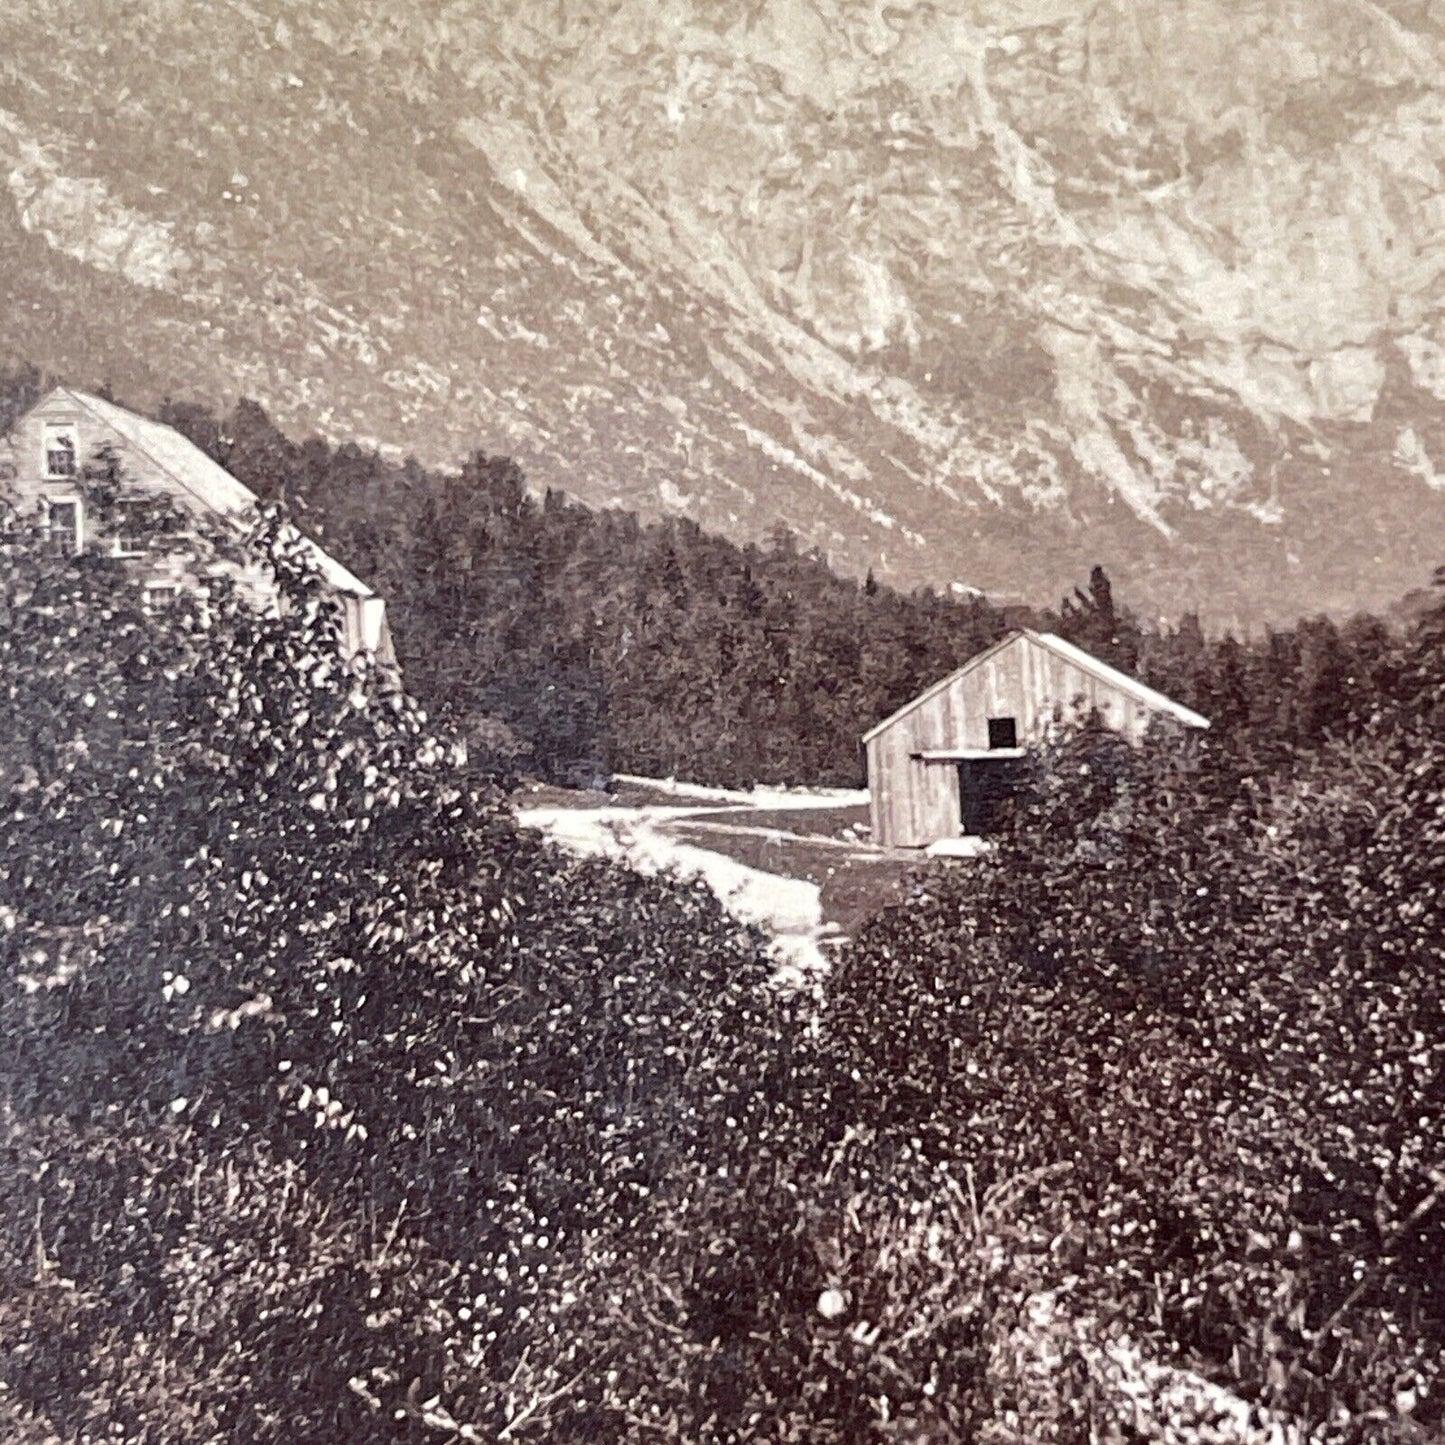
(701, 833)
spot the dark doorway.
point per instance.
(984, 786)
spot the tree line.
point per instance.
(571, 643)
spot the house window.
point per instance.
(158, 595)
(59, 451)
(62, 528)
(129, 539)
(1003, 732)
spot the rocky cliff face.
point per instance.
(976, 291)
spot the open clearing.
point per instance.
(795, 863)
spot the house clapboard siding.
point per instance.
(1029, 679)
(40, 465)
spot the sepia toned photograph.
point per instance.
(722, 722)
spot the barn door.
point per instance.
(984, 785)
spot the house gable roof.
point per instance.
(196, 474)
(1085, 662)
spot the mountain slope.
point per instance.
(967, 292)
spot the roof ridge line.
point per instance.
(1069, 652)
(84, 398)
(346, 581)
(1117, 677)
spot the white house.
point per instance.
(41, 465)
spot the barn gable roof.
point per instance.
(930, 692)
(1085, 662)
(1155, 701)
(197, 474)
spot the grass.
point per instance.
(853, 883)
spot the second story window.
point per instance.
(60, 451)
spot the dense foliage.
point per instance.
(335, 1107)
(573, 644)
(314, 1068)
(603, 645)
(1206, 990)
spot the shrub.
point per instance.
(316, 1068)
(336, 1107)
(1214, 996)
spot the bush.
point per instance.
(316, 1068)
(1214, 996)
(336, 1107)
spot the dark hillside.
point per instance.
(572, 643)
(600, 643)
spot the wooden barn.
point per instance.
(938, 766)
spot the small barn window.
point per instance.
(1003, 732)
(59, 451)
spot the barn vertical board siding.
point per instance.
(914, 802)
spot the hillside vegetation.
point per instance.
(573, 643)
(335, 1107)
(1196, 999)
(983, 292)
